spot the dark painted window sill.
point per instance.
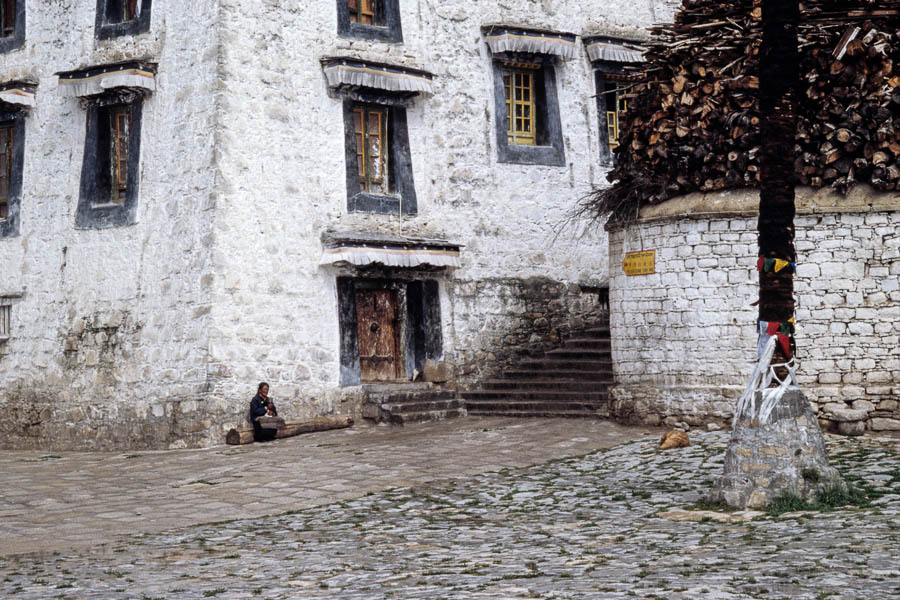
(377, 203)
(549, 156)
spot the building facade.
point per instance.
(325, 195)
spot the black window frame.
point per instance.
(95, 207)
(550, 147)
(9, 227)
(601, 70)
(17, 39)
(391, 31)
(106, 30)
(401, 199)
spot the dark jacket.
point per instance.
(258, 408)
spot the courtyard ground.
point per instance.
(472, 508)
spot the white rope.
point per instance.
(762, 377)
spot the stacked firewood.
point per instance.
(693, 123)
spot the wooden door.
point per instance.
(378, 325)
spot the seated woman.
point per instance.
(262, 406)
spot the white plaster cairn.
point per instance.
(776, 444)
(784, 455)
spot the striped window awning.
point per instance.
(97, 80)
(609, 50)
(19, 93)
(340, 72)
(368, 249)
(501, 38)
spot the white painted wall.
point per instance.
(146, 279)
(684, 338)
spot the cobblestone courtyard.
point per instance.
(608, 524)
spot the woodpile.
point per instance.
(236, 437)
(693, 123)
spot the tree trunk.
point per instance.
(236, 437)
(779, 75)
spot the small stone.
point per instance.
(674, 439)
(713, 427)
(757, 499)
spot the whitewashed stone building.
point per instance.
(201, 195)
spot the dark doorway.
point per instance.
(389, 327)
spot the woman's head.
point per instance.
(263, 389)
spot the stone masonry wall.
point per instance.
(516, 319)
(684, 339)
(108, 346)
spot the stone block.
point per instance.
(863, 405)
(845, 414)
(882, 424)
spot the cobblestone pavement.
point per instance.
(605, 525)
(52, 501)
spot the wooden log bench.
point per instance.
(286, 429)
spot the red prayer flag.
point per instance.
(785, 342)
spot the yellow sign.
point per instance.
(640, 263)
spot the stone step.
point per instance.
(550, 364)
(528, 404)
(552, 384)
(397, 387)
(398, 398)
(536, 395)
(598, 343)
(560, 374)
(597, 332)
(422, 405)
(427, 415)
(538, 410)
(567, 353)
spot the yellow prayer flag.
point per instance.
(780, 264)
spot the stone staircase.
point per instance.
(570, 381)
(411, 403)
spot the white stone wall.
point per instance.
(108, 341)
(283, 173)
(684, 339)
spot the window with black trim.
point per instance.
(612, 104)
(616, 105)
(12, 24)
(122, 17)
(527, 111)
(7, 143)
(110, 168)
(519, 89)
(12, 153)
(5, 319)
(370, 132)
(370, 19)
(379, 166)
